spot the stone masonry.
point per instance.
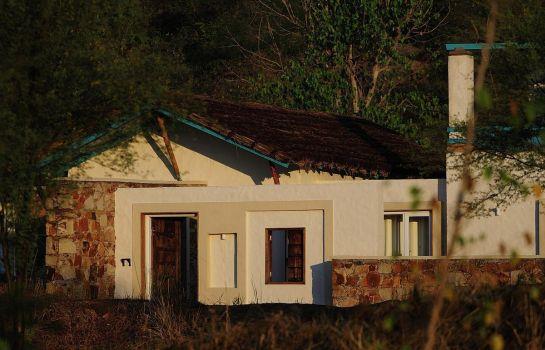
(80, 237)
(367, 281)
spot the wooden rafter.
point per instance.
(168, 146)
(274, 173)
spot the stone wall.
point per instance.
(80, 237)
(364, 281)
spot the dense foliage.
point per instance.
(67, 68)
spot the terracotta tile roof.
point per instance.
(319, 141)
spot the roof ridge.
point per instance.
(265, 106)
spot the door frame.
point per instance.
(147, 262)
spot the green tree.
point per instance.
(67, 68)
(372, 59)
(202, 32)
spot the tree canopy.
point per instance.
(67, 68)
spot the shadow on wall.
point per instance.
(442, 196)
(222, 152)
(321, 283)
(160, 153)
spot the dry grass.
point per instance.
(511, 317)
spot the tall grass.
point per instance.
(18, 308)
(501, 318)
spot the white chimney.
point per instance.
(461, 68)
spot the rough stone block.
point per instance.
(67, 271)
(109, 234)
(397, 267)
(99, 203)
(338, 278)
(67, 246)
(51, 245)
(89, 204)
(385, 293)
(457, 278)
(516, 276)
(82, 225)
(65, 228)
(385, 267)
(352, 280)
(103, 221)
(50, 229)
(387, 282)
(66, 202)
(373, 279)
(51, 260)
(361, 269)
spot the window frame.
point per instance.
(268, 254)
(404, 238)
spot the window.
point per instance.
(408, 233)
(285, 255)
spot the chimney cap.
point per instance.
(478, 46)
(460, 52)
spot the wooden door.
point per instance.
(167, 253)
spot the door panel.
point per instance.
(166, 247)
(174, 256)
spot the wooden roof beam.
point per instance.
(168, 146)
(274, 173)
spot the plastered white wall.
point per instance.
(200, 157)
(314, 289)
(222, 258)
(485, 235)
(400, 190)
(357, 214)
(358, 228)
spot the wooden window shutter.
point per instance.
(295, 257)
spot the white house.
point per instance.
(251, 203)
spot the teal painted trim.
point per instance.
(86, 156)
(221, 137)
(473, 46)
(456, 141)
(535, 140)
(480, 46)
(85, 141)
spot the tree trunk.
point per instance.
(4, 244)
(351, 70)
(371, 93)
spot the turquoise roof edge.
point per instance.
(472, 46)
(88, 139)
(221, 137)
(480, 46)
(85, 141)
